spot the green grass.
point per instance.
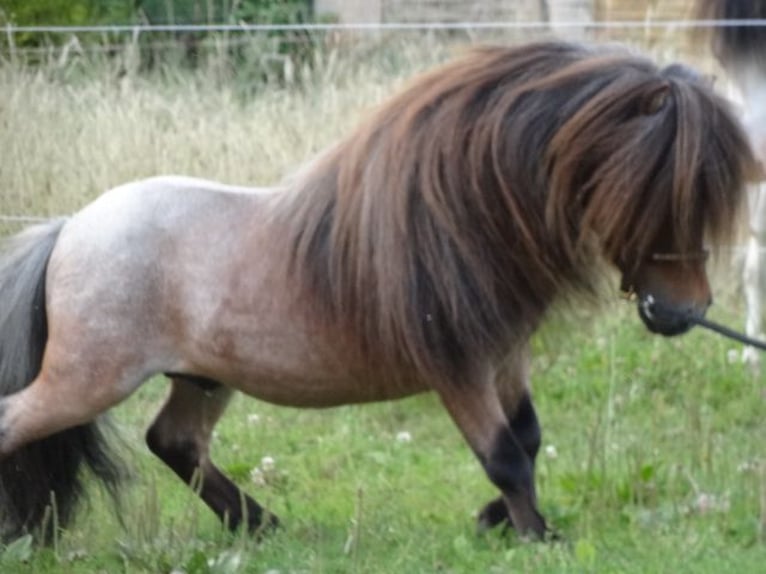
(653, 457)
(658, 468)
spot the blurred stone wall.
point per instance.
(502, 10)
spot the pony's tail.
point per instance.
(41, 482)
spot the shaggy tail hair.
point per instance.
(41, 482)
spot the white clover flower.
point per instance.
(253, 418)
(226, 561)
(747, 466)
(257, 478)
(403, 436)
(267, 463)
(705, 503)
(732, 356)
(551, 452)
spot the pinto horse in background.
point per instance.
(418, 254)
(741, 51)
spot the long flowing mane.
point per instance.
(443, 228)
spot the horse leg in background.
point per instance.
(507, 459)
(180, 437)
(512, 383)
(753, 274)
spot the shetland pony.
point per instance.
(418, 254)
(741, 51)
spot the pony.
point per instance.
(418, 254)
(741, 51)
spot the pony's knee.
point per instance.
(511, 469)
(526, 426)
(508, 465)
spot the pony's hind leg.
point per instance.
(54, 402)
(48, 432)
(507, 457)
(180, 437)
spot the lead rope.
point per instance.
(726, 332)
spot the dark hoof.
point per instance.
(553, 537)
(268, 524)
(495, 514)
(492, 515)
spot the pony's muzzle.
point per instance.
(668, 319)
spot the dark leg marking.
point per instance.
(508, 465)
(512, 471)
(526, 435)
(229, 503)
(526, 427)
(180, 437)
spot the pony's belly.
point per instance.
(324, 391)
(289, 368)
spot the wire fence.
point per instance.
(303, 32)
(26, 219)
(392, 26)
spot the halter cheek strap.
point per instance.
(701, 255)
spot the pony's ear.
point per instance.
(655, 100)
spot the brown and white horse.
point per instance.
(739, 44)
(418, 254)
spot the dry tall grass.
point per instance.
(65, 141)
(66, 138)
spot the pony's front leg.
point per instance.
(512, 384)
(526, 429)
(477, 410)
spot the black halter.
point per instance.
(701, 255)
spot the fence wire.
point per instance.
(383, 26)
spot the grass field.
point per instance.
(653, 456)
